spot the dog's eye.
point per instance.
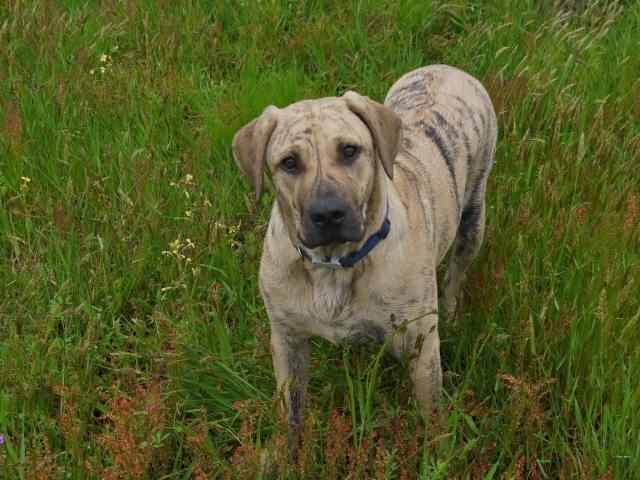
(289, 164)
(350, 152)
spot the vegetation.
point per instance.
(133, 341)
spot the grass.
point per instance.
(133, 341)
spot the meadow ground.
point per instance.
(133, 341)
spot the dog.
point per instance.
(368, 199)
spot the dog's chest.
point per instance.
(354, 305)
(344, 311)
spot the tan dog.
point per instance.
(348, 172)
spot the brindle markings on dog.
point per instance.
(425, 158)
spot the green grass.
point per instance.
(133, 341)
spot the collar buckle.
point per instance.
(331, 262)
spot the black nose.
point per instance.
(328, 213)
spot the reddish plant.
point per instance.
(518, 470)
(380, 460)
(307, 455)
(261, 331)
(13, 126)
(359, 462)
(336, 440)
(633, 208)
(197, 446)
(40, 462)
(526, 410)
(587, 471)
(534, 473)
(69, 420)
(404, 436)
(245, 461)
(134, 437)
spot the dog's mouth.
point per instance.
(330, 239)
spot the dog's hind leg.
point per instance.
(471, 227)
(465, 248)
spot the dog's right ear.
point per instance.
(250, 147)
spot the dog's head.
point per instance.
(326, 158)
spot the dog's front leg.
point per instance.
(424, 368)
(291, 362)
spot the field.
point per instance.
(133, 340)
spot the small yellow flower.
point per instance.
(92, 71)
(176, 246)
(103, 58)
(189, 212)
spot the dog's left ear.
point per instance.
(250, 147)
(383, 123)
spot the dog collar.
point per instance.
(350, 259)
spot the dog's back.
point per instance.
(450, 133)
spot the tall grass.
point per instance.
(133, 342)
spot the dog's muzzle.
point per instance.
(330, 220)
(350, 260)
